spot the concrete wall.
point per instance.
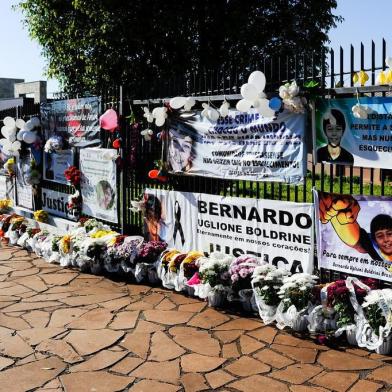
(37, 88)
(7, 87)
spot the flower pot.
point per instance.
(153, 276)
(216, 299)
(300, 323)
(386, 346)
(266, 312)
(190, 290)
(246, 296)
(351, 335)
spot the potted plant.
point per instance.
(215, 278)
(374, 330)
(241, 271)
(295, 294)
(266, 282)
(189, 267)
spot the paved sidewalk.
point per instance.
(61, 330)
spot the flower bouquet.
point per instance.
(266, 282)
(295, 294)
(5, 205)
(215, 278)
(188, 269)
(65, 249)
(241, 271)
(374, 329)
(345, 297)
(163, 267)
(23, 240)
(17, 224)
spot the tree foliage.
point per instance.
(92, 43)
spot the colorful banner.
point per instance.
(344, 139)
(99, 183)
(76, 120)
(7, 188)
(354, 234)
(240, 146)
(56, 163)
(278, 232)
(24, 191)
(55, 203)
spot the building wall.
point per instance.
(7, 87)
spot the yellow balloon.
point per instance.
(362, 77)
(381, 78)
(355, 78)
(388, 77)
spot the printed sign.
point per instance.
(344, 139)
(354, 234)
(56, 163)
(55, 203)
(99, 183)
(24, 191)
(278, 232)
(7, 188)
(240, 146)
(76, 120)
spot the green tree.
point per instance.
(89, 44)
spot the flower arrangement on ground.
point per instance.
(215, 277)
(295, 294)
(5, 205)
(41, 216)
(374, 330)
(267, 280)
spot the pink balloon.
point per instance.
(109, 120)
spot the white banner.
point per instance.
(240, 146)
(99, 183)
(7, 188)
(281, 233)
(24, 191)
(55, 203)
(56, 163)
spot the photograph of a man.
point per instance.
(334, 125)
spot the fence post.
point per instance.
(123, 174)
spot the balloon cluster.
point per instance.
(159, 115)
(182, 102)
(385, 77)
(254, 96)
(17, 131)
(360, 77)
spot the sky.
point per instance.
(365, 20)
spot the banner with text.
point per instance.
(56, 163)
(354, 234)
(278, 232)
(99, 183)
(76, 120)
(240, 146)
(55, 203)
(344, 139)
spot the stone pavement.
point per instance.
(61, 330)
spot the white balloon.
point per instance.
(224, 109)
(388, 62)
(177, 102)
(243, 105)
(189, 103)
(29, 125)
(35, 121)
(9, 121)
(29, 137)
(4, 142)
(213, 114)
(9, 132)
(257, 78)
(20, 123)
(159, 112)
(264, 108)
(20, 134)
(159, 121)
(249, 91)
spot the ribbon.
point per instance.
(177, 224)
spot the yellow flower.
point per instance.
(5, 204)
(102, 233)
(167, 257)
(193, 255)
(65, 243)
(41, 216)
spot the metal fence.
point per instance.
(333, 73)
